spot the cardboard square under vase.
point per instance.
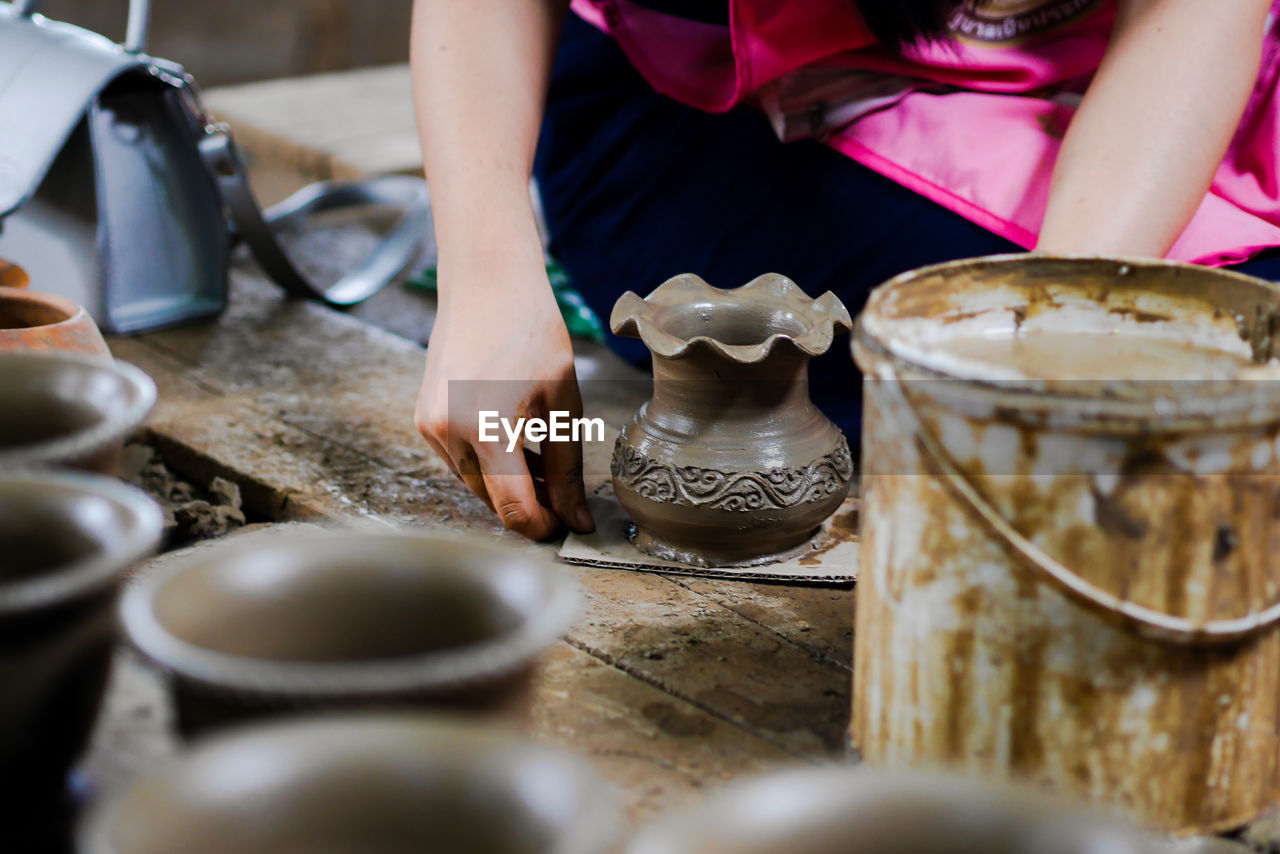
(833, 561)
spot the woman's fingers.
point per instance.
(469, 470)
(562, 466)
(512, 493)
(456, 452)
(499, 478)
(434, 427)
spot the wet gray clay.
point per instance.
(382, 784)
(348, 620)
(839, 810)
(69, 410)
(730, 463)
(65, 540)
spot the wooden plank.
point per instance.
(696, 649)
(660, 751)
(284, 471)
(817, 619)
(339, 125)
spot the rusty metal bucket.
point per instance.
(1074, 579)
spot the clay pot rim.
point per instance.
(91, 440)
(823, 318)
(594, 826)
(73, 310)
(755, 801)
(1215, 404)
(440, 671)
(92, 573)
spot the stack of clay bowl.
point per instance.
(65, 541)
(65, 401)
(66, 538)
(324, 675)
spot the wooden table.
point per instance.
(669, 684)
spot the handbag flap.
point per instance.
(50, 74)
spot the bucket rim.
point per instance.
(1214, 403)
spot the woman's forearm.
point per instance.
(1153, 128)
(480, 71)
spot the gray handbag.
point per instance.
(118, 192)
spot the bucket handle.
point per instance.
(1148, 622)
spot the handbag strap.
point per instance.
(135, 40)
(258, 229)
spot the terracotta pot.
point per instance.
(13, 276)
(65, 540)
(351, 620)
(45, 323)
(392, 784)
(730, 463)
(838, 810)
(68, 410)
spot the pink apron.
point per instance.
(973, 122)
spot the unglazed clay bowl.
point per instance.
(381, 784)
(35, 322)
(65, 541)
(840, 810)
(349, 620)
(63, 410)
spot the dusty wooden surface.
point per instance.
(670, 684)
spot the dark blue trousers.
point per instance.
(637, 188)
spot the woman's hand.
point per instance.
(509, 354)
(480, 71)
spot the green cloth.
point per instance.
(580, 320)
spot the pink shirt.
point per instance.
(973, 122)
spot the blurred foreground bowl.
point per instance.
(382, 784)
(63, 410)
(841, 810)
(65, 541)
(349, 620)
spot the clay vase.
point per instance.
(380, 784)
(730, 463)
(45, 323)
(838, 810)
(323, 619)
(63, 410)
(65, 541)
